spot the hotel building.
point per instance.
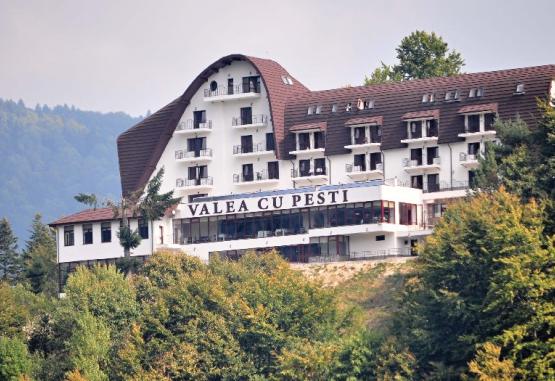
(262, 162)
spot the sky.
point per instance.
(135, 56)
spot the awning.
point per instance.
(421, 114)
(320, 126)
(368, 120)
(488, 107)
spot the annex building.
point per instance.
(262, 162)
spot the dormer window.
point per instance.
(428, 98)
(349, 107)
(365, 104)
(451, 96)
(310, 140)
(366, 134)
(519, 89)
(333, 108)
(476, 92)
(318, 109)
(311, 110)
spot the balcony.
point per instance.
(190, 127)
(308, 150)
(259, 178)
(201, 156)
(223, 93)
(316, 176)
(420, 140)
(417, 166)
(358, 173)
(256, 121)
(200, 184)
(255, 150)
(364, 143)
(469, 161)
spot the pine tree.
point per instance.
(40, 258)
(10, 259)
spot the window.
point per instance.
(320, 166)
(246, 115)
(431, 128)
(473, 123)
(489, 121)
(304, 140)
(246, 144)
(519, 89)
(476, 92)
(375, 134)
(416, 182)
(333, 108)
(375, 161)
(304, 167)
(199, 117)
(251, 84)
(69, 237)
(270, 143)
(248, 172)
(368, 105)
(87, 234)
(230, 86)
(452, 96)
(289, 80)
(318, 109)
(473, 148)
(143, 228)
(416, 156)
(349, 107)
(407, 214)
(359, 134)
(319, 141)
(380, 238)
(106, 232)
(360, 162)
(415, 129)
(284, 80)
(273, 170)
(196, 145)
(431, 154)
(433, 182)
(213, 86)
(310, 110)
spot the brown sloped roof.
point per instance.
(395, 99)
(140, 147)
(491, 107)
(321, 126)
(421, 114)
(88, 215)
(370, 119)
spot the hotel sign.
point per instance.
(269, 203)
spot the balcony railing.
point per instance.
(407, 163)
(184, 154)
(350, 168)
(257, 176)
(242, 149)
(182, 183)
(237, 89)
(466, 157)
(318, 171)
(190, 124)
(255, 119)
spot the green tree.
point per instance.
(40, 258)
(10, 259)
(421, 55)
(488, 367)
(484, 277)
(15, 362)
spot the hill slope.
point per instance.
(49, 155)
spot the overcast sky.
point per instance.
(137, 55)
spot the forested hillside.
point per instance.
(50, 154)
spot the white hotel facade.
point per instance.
(263, 162)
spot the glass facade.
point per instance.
(280, 222)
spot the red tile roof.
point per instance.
(421, 114)
(88, 215)
(491, 107)
(320, 126)
(368, 120)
